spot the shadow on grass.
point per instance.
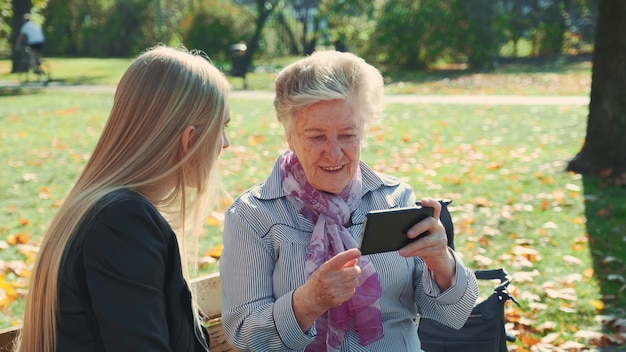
(503, 65)
(83, 80)
(24, 87)
(20, 90)
(605, 210)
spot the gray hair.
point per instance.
(328, 76)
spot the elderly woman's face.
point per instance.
(326, 137)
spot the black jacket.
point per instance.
(121, 283)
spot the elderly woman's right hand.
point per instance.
(333, 283)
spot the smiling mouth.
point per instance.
(333, 168)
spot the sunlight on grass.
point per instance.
(502, 166)
(568, 75)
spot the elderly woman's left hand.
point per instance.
(432, 248)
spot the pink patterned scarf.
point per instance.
(329, 212)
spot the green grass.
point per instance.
(565, 75)
(513, 205)
(77, 71)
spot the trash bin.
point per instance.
(239, 67)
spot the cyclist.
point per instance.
(35, 39)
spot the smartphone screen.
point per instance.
(385, 230)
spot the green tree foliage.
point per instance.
(398, 34)
(548, 33)
(72, 25)
(414, 34)
(100, 28)
(401, 32)
(299, 25)
(6, 12)
(306, 15)
(105, 28)
(131, 27)
(215, 26)
(264, 10)
(407, 34)
(545, 23)
(477, 37)
(350, 23)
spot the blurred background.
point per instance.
(395, 35)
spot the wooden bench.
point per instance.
(208, 292)
(6, 338)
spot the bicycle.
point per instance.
(28, 65)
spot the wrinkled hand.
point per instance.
(333, 283)
(432, 248)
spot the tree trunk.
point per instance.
(604, 149)
(310, 41)
(20, 7)
(291, 38)
(264, 10)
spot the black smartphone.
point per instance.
(385, 230)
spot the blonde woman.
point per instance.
(109, 275)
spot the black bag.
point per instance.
(484, 330)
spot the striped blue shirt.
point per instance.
(263, 262)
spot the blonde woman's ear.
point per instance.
(187, 137)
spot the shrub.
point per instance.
(215, 26)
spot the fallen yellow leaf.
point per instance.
(216, 252)
(598, 305)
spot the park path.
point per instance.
(452, 99)
(390, 98)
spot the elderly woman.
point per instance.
(293, 279)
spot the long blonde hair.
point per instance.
(162, 92)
